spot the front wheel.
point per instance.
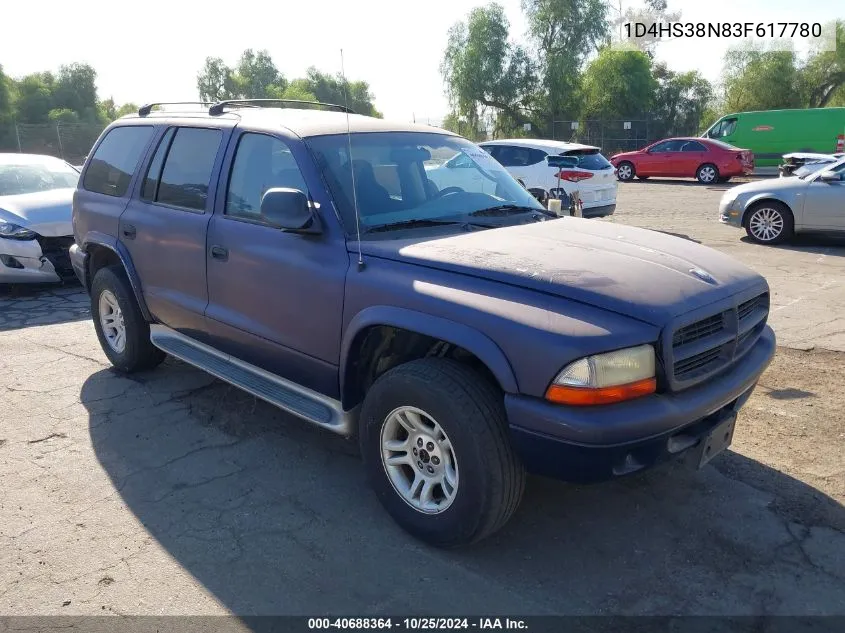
(707, 174)
(434, 440)
(769, 223)
(625, 171)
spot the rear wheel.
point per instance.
(434, 440)
(625, 171)
(707, 174)
(769, 222)
(123, 333)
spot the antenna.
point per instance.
(351, 166)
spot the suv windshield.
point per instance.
(19, 175)
(414, 179)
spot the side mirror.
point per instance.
(288, 209)
(829, 176)
(562, 161)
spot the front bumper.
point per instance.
(730, 212)
(588, 444)
(79, 262)
(22, 261)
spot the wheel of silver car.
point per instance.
(707, 174)
(418, 458)
(625, 171)
(769, 223)
(111, 320)
(434, 438)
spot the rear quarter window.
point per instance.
(116, 159)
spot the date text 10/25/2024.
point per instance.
(421, 623)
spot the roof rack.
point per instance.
(145, 109)
(220, 106)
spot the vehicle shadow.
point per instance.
(691, 182)
(25, 305)
(814, 244)
(274, 517)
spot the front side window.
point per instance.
(421, 186)
(116, 159)
(186, 175)
(261, 162)
(728, 128)
(30, 174)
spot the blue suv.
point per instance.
(463, 333)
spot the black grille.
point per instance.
(698, 330)
(710, 344)
(57, 250)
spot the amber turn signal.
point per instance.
(581, 396)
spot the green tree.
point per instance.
(482, 69)
(681, 101)
(824, 73)
(76, 89)
(333, 89)
(216, 81)
(34, 98)
(257, 77)
(619, 84)
(5, 97)
(63, 115)
(126, 108)
(298, 90)
(563, 34)
(759, 79)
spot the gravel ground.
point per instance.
(171, 493)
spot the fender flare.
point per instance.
(487, 351)
(111, 243)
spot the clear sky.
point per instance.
(152, 50)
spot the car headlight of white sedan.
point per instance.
(15, 232)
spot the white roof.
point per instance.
(541, 144)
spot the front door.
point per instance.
(275, 298)
(824, 206)
(164, 225)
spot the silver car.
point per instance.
(773, 210)
(36, 195)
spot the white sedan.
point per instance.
(591, 175)
(36, 194)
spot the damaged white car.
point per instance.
(36, 195)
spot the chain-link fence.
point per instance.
(69, 141)
(616, 136)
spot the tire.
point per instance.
(626, 171)
(707, 174)
(136, 353)
(763, 220)
(488, 477)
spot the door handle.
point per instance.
(128, 231)
(218, 252)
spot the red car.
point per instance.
(707, 160)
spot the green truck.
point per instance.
(772, 133)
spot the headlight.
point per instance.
(606, 378)
(15, 232)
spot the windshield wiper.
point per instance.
(410, 224)
(509, 209)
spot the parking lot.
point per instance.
(173, 493)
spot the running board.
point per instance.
(295, 399)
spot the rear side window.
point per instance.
(589, 159)
(116, 159)
(261, 162)
(514, 156)
(693, 146)
(186, 175)
(150, 188)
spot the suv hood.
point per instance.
(48, 213)
(644, 274)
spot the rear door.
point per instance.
(164, 225)
(692, 155)
(657, 161)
